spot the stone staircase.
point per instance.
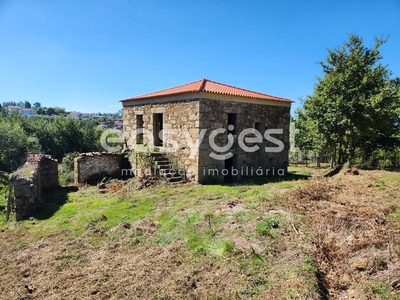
(164, 169)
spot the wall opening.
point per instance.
(157, 129)
(229, 168)
(231, 123)
(139, 129)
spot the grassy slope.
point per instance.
(253, 241)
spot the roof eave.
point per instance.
(148, 97)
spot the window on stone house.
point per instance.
(232, 123)
(139, 129)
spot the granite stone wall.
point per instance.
(94, 166)
(245, 162)
(180, 131)
(189, 121)
(38, 173)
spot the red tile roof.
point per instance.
(205, 85)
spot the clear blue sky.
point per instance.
(86, 55)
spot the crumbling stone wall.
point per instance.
(94, 166)
(48, 169)
(38, 173)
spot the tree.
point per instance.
(13, 145)
(50, 111)
(308, 137)
(37, 105)
(356, 99)
(59, 111)
(27, 104)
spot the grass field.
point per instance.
(304, 237)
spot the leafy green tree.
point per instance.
(59, 111)
(37, 105)
(63, 135)
(356, 99)
(27, 104)
(50, 111)
(13, 146)
(308, 137)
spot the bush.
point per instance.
(66, 169)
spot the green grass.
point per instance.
(226, 227)
(267, 225)
(384, 290)
(71, 210)
(77, 211)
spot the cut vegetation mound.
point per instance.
(354, 239)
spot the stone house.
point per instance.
(213, 131)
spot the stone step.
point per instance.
(167, 172)
(157, 154)
(174, 179)
(164, 170)
(162, 162)
(164, 167)
(159, 158)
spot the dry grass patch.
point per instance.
(352, 240)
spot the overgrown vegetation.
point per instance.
(56, 136)
(66, 169)
(317, 239)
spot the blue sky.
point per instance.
(86, 55)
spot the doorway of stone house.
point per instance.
(157, 129)
(229, 168)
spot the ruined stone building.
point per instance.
(215, 132)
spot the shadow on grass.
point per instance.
(273, 179)
(53, 199)
(264, 180)
(389, 169)
(392, 169)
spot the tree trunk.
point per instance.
(350, 150)
(384, 159)
(333, 155)
(318, 162)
